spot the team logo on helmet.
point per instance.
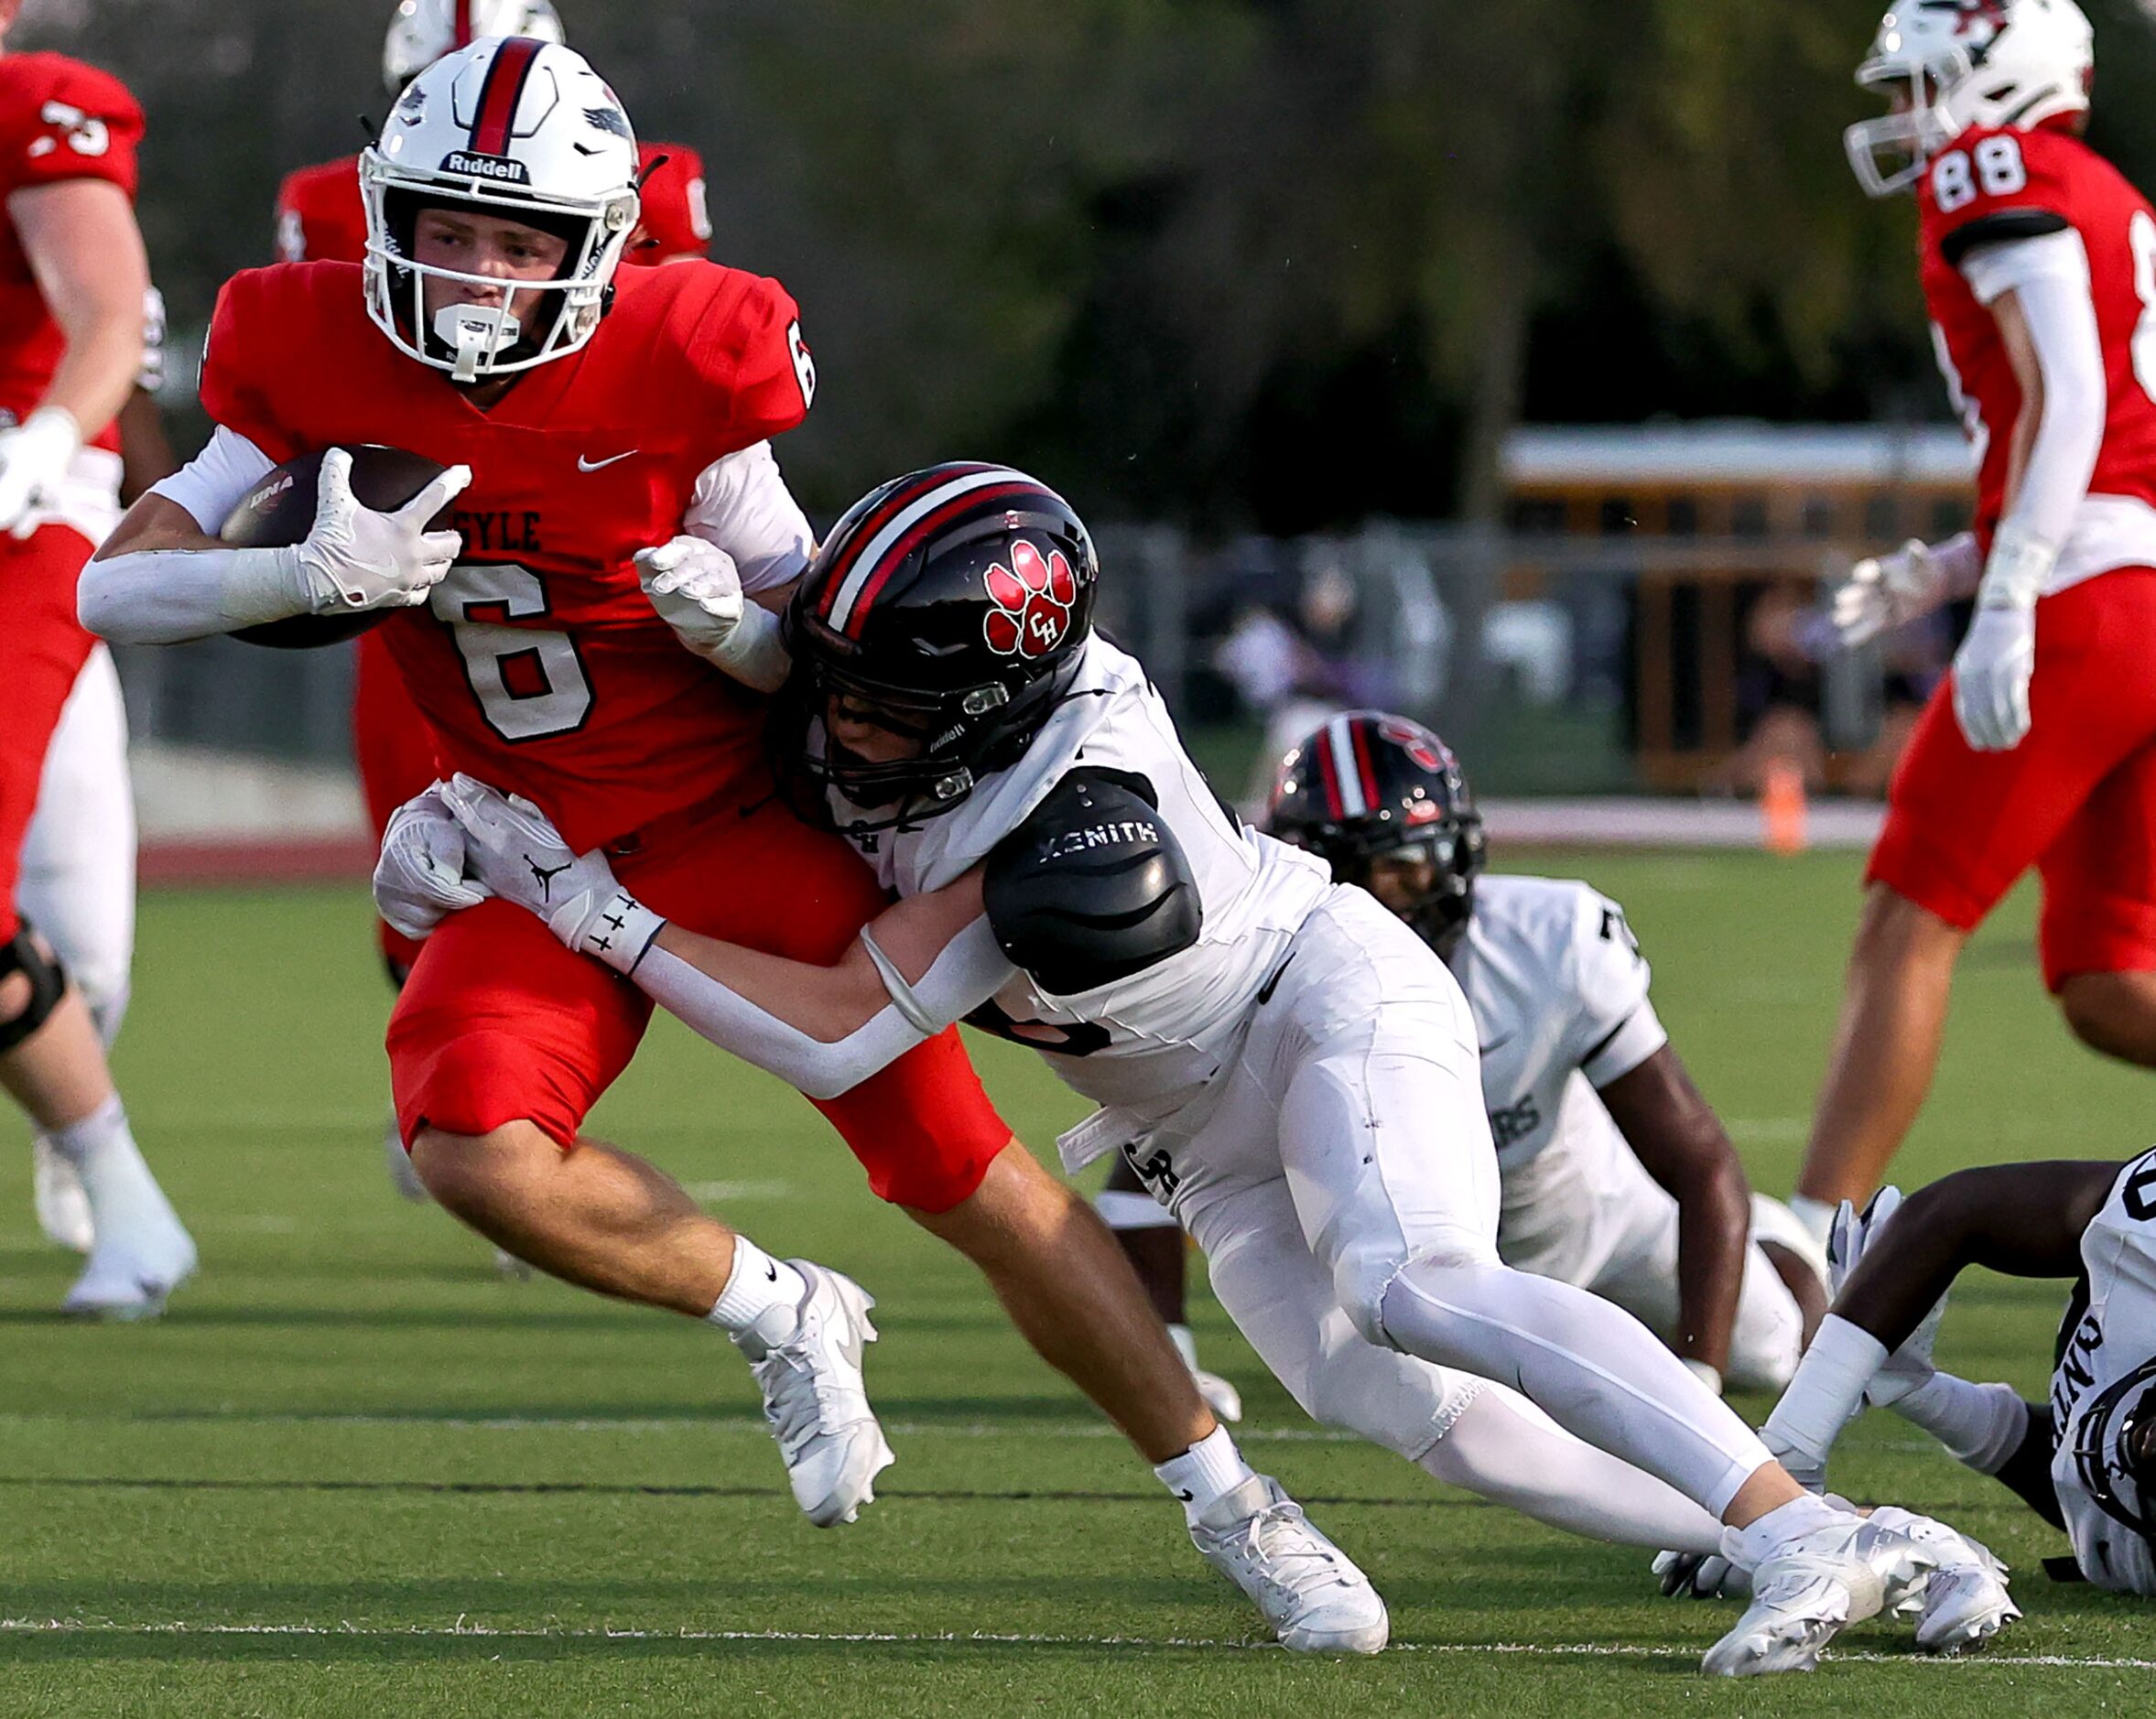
(1032, 597)
(1980, 12)
(1422, 748)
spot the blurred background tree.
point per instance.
(1273, 263)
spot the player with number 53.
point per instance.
(2038, 263)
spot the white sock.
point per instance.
(761, 1304)
(1828, 1390)
(124, 1196)
(1506, 1450)
(1981, 1426)
(1585, 1362)
(1208, 1469)
(1817, 1215)
(104, 1129)
(1751, 1545)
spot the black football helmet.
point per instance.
(951, 603)
(2115, 1451)
(1368, 783)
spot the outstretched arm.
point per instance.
(1679, 1138)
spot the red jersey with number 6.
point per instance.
(1996, 186)
(540, 663)
(60, 119)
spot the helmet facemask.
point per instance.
(1889, 152)
(537, 320)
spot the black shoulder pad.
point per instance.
(2002, 226)
(1091, 888)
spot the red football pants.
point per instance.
(499, 1023)
(2076, 798)
(42, 649)
(394, 748)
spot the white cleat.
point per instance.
(814, 1397)
(398, 1162)
(1217, 1393)
(1814, 1586)
(1310, 1590)
(58, 1197)
(130, 1273)
(1964, 1602)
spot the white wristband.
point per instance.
(1828, 1390)
(2016, 570)
(619, 932)
(752, 651)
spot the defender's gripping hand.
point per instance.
(357, 558)
(419, 879)
(522, 858)
(34, 456)
(1910, 1366)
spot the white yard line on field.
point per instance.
(866, 1638)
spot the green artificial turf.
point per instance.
(354, 1472)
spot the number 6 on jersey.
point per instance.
(529, 684)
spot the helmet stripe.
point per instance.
(866, 561)
(501, 92)
(462, 28)
(1342, 778)
(1365, 773)
(927, 526)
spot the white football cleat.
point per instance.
(1964, 1602)
(131, 1269)
(1310, 1591)
(814, 1397)
(1217, 1393)
(398, 1162)
(1812, 1586)
(57, 1196)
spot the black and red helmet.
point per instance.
(1368, 784)
(953, 601)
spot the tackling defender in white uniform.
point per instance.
(2084, 1460)
(1286, 1065)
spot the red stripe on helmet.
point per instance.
(1329, 775)
(462, 28)
(1360, 730)
(501, 94)
(929, 523)
(895, 502)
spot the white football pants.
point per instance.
(1341, 1181)
(78, 872)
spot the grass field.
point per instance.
(355, 1473)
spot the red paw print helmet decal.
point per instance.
(1033, 598)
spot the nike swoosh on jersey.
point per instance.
(613, 460)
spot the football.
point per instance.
(280, 511)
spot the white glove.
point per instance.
(696, 589)
(1991, 674)
(1911, 1365)
(1882, 592)
(420, 881)
(520, 857)
(357, 558)
(34, 456)
(1694, 1575)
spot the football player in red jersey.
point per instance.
(594, 415)
(2039, 265)
(320, 217)
(73, 281)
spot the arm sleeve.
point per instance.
(2050, 277)
(211, 485)
(77, 123)
(969, 971)
(742, 503)
(1613, 1028)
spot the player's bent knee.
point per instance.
(32, 983)
(2112, 1012)
(471, 1174)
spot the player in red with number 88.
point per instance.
(2038, 261)
(588, 645)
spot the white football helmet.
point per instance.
(511, 127)
(1964, 63)
(424, 30)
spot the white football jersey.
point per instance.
(2114, 1334)
(1145, 1044)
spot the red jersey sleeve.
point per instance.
(62, 120)
(240, 356)
(1993, 187)
(748, 349)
